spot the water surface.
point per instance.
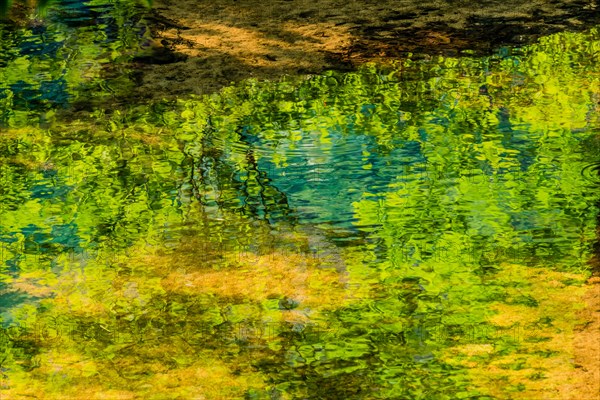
(418, 230)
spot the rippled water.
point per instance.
(415, 231)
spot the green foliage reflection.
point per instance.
(354, 214)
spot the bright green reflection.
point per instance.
(378, 234)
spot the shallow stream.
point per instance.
(418, 230)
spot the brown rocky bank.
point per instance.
(201, 46)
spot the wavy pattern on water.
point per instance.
(385, 233)
(591, 173)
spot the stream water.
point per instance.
(419, 230)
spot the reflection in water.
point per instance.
(74, 54)
(413, 231)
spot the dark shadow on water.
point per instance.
(201, 47)
(340, 36)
